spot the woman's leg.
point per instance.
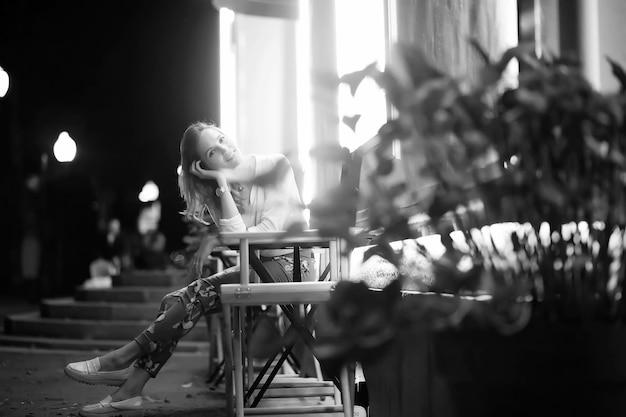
(133, 386)
(178, 314)
(124, 356)
(180, 311)
(120, 358)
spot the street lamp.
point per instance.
(151, 241)
(64, 148)
(54, 229)
(4, 82)
(149, 192)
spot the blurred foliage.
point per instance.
(545, 156)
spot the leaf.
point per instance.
(532, 100)
(384, 166)
(475, 141)
(619, 73)
(354, 79)
(417, 65)
(492, 71)
(384, 250)
(395, 89)
(338, 198)
(445, 201)
(450, 278)
(600, 149)
(400, 229)
(481, 51)
(351, 121)
(393, 129)
(524, 52)
(552, 193)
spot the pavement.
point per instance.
(33, 384)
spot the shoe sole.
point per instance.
(114, 413)
(96, 381)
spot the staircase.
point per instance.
(101, 318)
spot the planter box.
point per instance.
(544, 370)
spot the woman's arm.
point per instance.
(223, 197)
(266, 169)
(207, 244)
(281, 201)
(261, 170)
(273, 220)
(272, 171)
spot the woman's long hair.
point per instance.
(199, 194)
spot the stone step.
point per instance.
(296, 411)
(130, 294)
(59, 343)
(69, 308)
(32, 324)
(297, 391)
(295, 401)
(151, 278)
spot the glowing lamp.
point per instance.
(64, 148)
(149, 192)
(4, 82)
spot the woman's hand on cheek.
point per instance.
(197, 170)
(207, 174)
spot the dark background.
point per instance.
(124, 78)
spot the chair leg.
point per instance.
(228, 360)
(249, 360)
(238, 358)
(347, 389)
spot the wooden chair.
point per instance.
(290, 296)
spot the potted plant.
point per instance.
(525, 312)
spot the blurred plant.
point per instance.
(530, 177)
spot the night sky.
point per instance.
(124, 78)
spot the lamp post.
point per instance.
(64, 151)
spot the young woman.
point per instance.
(235, 192)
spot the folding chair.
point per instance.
(289, 296)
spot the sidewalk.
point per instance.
(33, 384)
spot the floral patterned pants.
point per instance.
(180, 310)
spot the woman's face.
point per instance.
(217, 151)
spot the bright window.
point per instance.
(228, 71)
(361, 40)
